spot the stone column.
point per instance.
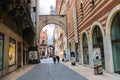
(67, 49)
(39, 52)
(90, 47)
(6, 57)
(16, 55)
(67, 54)
(81, 54)
(25, 58)
(22, 55)
(37, 22)
(109, 66)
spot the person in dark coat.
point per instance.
(54, 58)
(58, 58)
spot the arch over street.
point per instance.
(59, 20)
(52, 19)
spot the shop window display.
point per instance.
(12, 52)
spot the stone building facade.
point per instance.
(43, 43)
(97, 27)
(33, 11)
(59, 34)
(16, 34)
(59, 41)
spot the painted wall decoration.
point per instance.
(12, 52)
(1, 50)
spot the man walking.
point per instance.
(54, 58)
(58, 58)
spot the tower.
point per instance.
(51, 10)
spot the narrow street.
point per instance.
(84, 34)
(47, 70)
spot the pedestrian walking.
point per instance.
(54, 58)
(64, 55)
(58, 58)
(73, 58)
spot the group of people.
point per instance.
(56, 58)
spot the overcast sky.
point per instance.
(45, 10)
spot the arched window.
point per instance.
(97, 39)
(43, 42)
(85, 49)
(115, 37)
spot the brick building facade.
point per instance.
(59, 34)
(97, 27)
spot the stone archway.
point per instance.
(92, 28)
(96, 40)
(113, 12)
(108, 37)
(112, 32)
(52, 19)
(84, 48)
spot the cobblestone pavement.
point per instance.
(50, 71)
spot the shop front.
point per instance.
(33, 55)
(97, 39)
(115, 37)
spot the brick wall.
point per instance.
(99, 12)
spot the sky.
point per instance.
(45, 10)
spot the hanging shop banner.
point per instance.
(12, 53)
(1, 50)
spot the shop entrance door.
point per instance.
(19, 55)
(115, 37)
